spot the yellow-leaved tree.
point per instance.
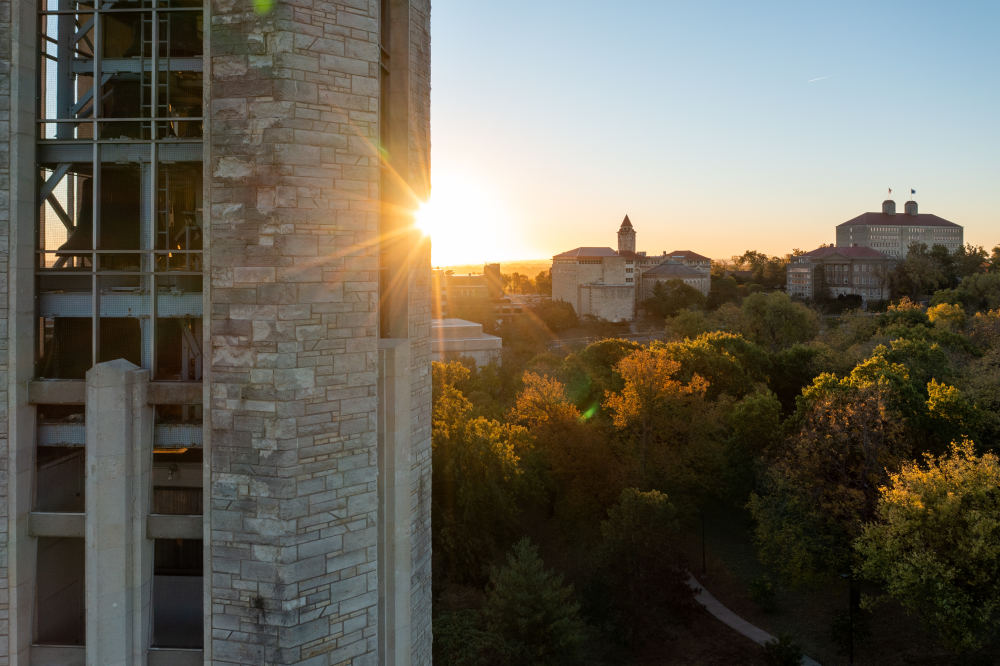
(936, 544)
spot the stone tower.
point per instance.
(215, 440)
(626, 237)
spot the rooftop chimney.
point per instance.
(889, 207)
(911, 207)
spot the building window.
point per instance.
(60, 458)
(178, 583)
(119, 227)
(60, 616)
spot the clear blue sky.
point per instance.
(697, 120)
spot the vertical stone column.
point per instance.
(394, 462)
(118, 561)
(293, 226)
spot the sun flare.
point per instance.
(467, 223)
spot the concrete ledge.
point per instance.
(57, 392)
(174, 527)
(57, 525)
(175, 393)
(50, 655)
(165, 657)
(74, 392)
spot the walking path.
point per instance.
(728, 617)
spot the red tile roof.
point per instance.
(850, 252)
(899, 220)
(688, 255)
(587, 252)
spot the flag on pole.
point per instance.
(890, 191)
(912, 191)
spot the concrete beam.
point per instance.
(174, 527)
(74, 392)
(56, 525)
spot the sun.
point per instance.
(467, 222)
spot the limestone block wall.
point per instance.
(5, 221)
(293, 224)
(419, 103)
(565, 282)
(611, 302)
(614, 270)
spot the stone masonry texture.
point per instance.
(419, 112)
(5, 220)
(293, 187)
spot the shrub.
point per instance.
(783, 651)
(762, 593)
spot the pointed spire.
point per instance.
(626, 222)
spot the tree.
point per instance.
(993, 265)
(970, 259)
(642, 585)
(687, 324)
(650, 394)
(586, 472)
(724, 290)
(822, 487)
(591, 372)
(671, 427)
(948, 316)
(774, 321)
(531, 610)
(936, 545)
(672, 296)
(460, 640)
(543, 283)
(477, 477)
(555, 315)
(920, 271)
(729, 363)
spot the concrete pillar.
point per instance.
(395, 461)
(118, 557)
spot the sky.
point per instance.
(716, 126)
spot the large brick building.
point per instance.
(892, 234)
(216, 316)
(833, 271)
(607, 283)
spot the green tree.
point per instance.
(672, 429)
(543, 283)
(774, 321)
(556, 316)
(672, 296)
(724, 290)
(460, 640)
(478, 474)
(936, 545)
(731, 365)
(530, 608)
(822, 487)
(642, 585)
(591, 373)
(921, 271)
(586, 473)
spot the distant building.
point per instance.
(457, 337)
(691, 259)
(674, 270)
(494, 281)
(892, 234)
(447, 289)
(606, 283)
(832, 271)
